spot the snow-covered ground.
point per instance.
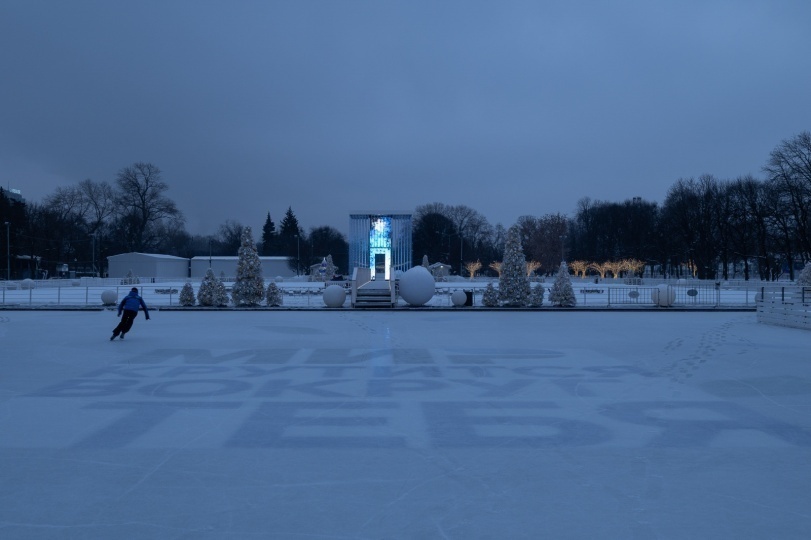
(404, 424)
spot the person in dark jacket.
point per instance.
(129, 306)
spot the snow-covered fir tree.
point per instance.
(187, 295)
(536, 296)
(804, 279)
(330, 273)
(425, 262)
(513, 283)
(249, 287)
(212, 291)
(490, 296)
(562, 293)
(131, 279)
(274, 295)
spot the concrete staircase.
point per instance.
(374, 294)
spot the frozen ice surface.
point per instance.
(363, 424)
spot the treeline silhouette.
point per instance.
(711, 228)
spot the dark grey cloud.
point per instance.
(333, 107)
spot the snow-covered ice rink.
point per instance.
(407, 424)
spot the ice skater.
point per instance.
(129, 305)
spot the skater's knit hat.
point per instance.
(135, 289)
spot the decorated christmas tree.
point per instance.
(212, 291)
(249, 287)
(187, 295)
(274, 295)
(804, 279)
(513, 283)
(490, 296)
(562, 293)
(331, 270)
(536, 296)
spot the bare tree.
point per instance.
(141, 206)
(229, 237)
(789, 173)
(690, 212)
(98, 202)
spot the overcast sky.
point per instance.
(334, 107)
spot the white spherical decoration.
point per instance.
(27, 284)
(458, 298)
(663, 295)
(417, 286)
(109, 297)
(334, 296)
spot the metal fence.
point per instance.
(786, 306)
(694, 295)
(87, 292)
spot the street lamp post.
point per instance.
(209, 253)
(461, 259)
(93, 243)
(298, 254)
(8, 250)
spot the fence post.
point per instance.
(782, 294)
(30, 296)
(59, 295)
(86, 295)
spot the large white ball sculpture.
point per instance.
(109, 297)
(459, 298)
(417, 286)
(663, 295)
(334, 296)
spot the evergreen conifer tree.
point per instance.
(187, 295)
(562, 293)
(290, 239)
(490, 296)
(513, 283)
(274, 295)
(212, 291)
(425, 262)
(269, 239)
(536, 296)
(249, 287)
(804, 279)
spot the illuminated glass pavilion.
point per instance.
(381, 242)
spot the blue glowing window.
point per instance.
(380, 233)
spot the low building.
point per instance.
(272, 267)
(147, 265)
